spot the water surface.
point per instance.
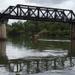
(23, 56)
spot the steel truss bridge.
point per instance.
(27, 12)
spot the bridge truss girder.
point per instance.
(26, 12)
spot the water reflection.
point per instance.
(3, 56)
(24, 57)
(41, 44)
(33, 65)
(36, 65)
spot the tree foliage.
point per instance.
(33, 27)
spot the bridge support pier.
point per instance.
(72, 51)
(2, 30)
(3, 56)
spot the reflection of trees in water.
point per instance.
(27, 42)
(21, 41)
(36, 65)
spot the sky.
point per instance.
(63, 4)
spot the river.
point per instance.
(46, 57)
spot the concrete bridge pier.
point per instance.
(3, 57)
(3, 30)
(72, 51)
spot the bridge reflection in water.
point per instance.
(30, 65)
(36, 65)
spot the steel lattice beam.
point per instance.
(25, 12)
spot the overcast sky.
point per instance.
(67, 4)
